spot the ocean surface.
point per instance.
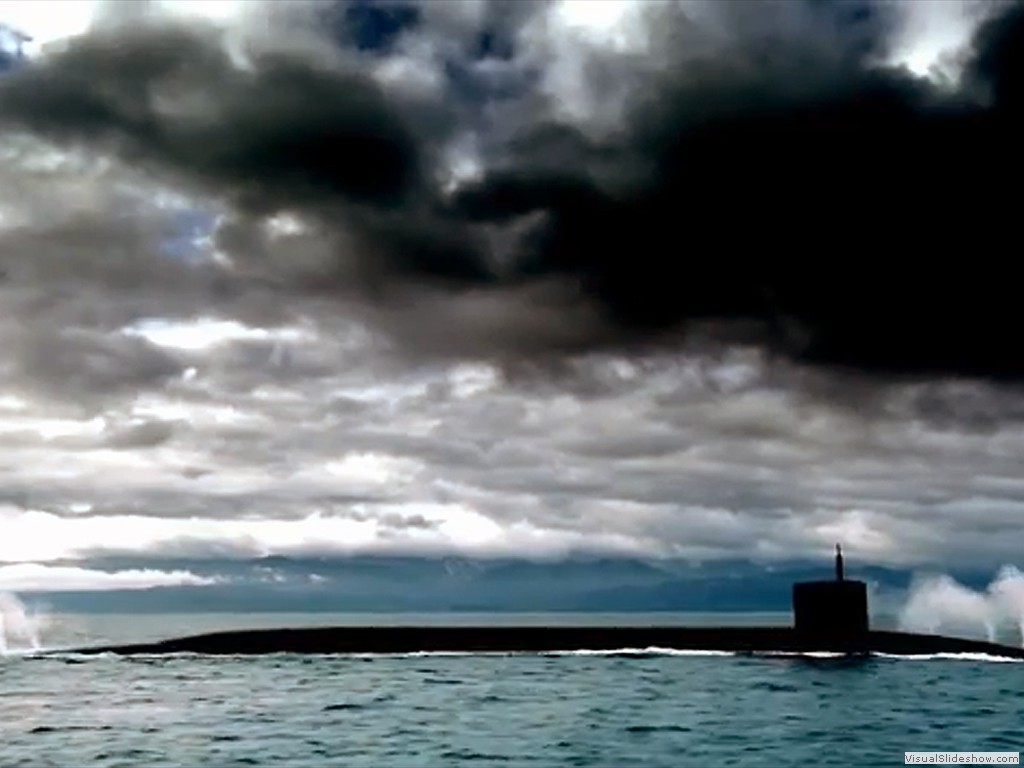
(632, 708)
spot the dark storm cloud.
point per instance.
(284, 132)
(768, 176)
(859, 215)
(998, 64)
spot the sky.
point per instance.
(686, 282)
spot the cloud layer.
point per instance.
(669, 280)
(32, 577)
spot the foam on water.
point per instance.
(78, 657)
(804, 654)
(651, 651)
(950, 657)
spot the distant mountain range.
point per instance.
(458, 584)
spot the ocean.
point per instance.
(632, 708)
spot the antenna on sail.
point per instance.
(839, 563)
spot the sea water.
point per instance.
(634, 708)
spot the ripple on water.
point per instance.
(774, 687)
(657, 728)
(68, 728)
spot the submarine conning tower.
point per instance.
(832, 614)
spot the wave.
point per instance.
(72, 657)
(77, 657)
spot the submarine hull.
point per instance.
(539, 639)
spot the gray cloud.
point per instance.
(77, 363)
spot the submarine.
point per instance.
(829, 616)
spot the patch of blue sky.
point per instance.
(12, 41)
(375, 26)
(189, 237)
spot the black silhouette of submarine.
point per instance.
(829, 617)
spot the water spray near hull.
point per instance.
(938, 602)
(19, 629)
